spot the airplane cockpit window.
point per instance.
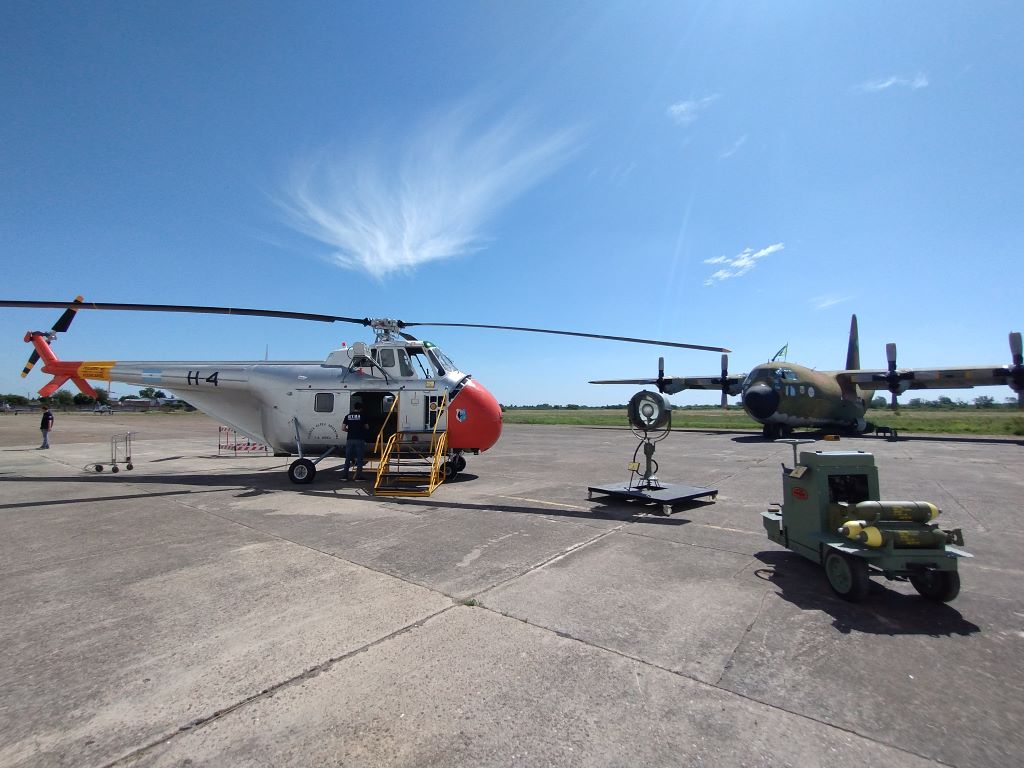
(789, 375)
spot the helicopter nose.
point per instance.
(761, 401)
(474, 419)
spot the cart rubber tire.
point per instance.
(99, 467)
(129, 466)
(114, 469)
(942, 586)
(848, 576)
(302, 471)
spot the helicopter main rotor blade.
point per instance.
(630, 339)
(185, 308)
(365, 321)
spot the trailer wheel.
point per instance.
(942, 586)
(302, 471)
(848, 576)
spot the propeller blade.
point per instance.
(890, 355)
(1016, 349)
(655, 342)
(894, 403)
(62, 324)
(725, 381)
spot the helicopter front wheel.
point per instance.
(454, 465)
(302, 471)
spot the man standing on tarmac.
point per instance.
(355, 445)
(45, 426)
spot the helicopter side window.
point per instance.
(386, 357)
(323, 402)
(421, 363)
(404, 366)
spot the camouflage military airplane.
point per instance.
(783, 395)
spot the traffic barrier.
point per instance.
(230, 441)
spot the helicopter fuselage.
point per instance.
(298, 406)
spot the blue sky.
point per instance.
(737, 174)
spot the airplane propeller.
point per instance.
(62, 324)
(893, 378)
(725, 381)
(385, 324)
(1017, 369)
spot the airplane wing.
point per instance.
(929, 378)
(670, 385)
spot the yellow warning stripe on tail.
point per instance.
(97, 370)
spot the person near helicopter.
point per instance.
(357, 429)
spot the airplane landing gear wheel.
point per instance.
(848, 576)
(943, 586)
(302, 471)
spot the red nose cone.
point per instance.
(474, 419)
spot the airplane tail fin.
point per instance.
(853, 349)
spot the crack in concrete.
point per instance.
(308, 674)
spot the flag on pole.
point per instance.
(782, 352)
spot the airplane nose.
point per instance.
(760, 400)
(474, 419)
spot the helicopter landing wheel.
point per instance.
(848, 576)
(454, 465)
(302, 471)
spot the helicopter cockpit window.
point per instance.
(323, 402)
(420, 363)
(441, 361)
(404, 366)
(386, 357)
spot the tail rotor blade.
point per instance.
(62, 324)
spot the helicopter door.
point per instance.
(319, 417)
(378, 411)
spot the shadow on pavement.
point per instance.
(883, 612)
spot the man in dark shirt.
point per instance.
(357, 430)
(45, 426)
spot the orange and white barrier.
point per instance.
(230, 441)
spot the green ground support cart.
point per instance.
(832, 514)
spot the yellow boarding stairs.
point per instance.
(412, 463)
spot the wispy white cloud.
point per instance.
(733, 148)
(386, 209)
(920, 80)
(686, 112)
(824, 302)
(740, 264)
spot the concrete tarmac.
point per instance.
(201, 610)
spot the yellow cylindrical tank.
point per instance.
(908, 538)
(895, 511)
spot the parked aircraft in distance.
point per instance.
(784, 395)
